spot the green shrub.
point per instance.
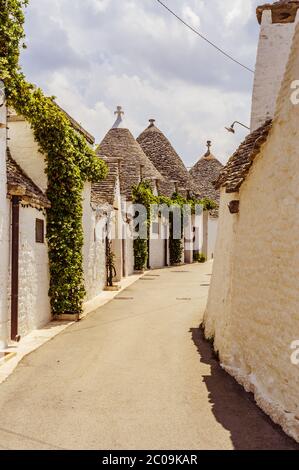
(199, 258)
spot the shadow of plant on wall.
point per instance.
(235, 409)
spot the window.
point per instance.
(39, 231)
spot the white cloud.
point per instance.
(133, 53)
(100, 5)
(236, 12)
(191, 17)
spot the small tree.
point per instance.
(110, 264)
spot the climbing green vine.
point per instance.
(143, 194)
(69, 163)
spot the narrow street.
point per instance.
(136, 374)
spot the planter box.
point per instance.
(67, 317)
(6, 356)
(111, 288)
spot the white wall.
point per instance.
(255, 319)
(94, 256)
(273, 52)
(34, 302)
(219, 305)
(25, 152)
(157, 254)
(4, 234)
(212, 236)
(129, 250)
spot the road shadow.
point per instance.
(250, 428)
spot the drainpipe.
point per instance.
(15, 267)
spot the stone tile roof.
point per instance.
(162, 154)
(283, 11)
(104, 191)
(19, 184)
(204, 173)
(235, 172)
(119, 143)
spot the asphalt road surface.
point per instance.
(136, 374)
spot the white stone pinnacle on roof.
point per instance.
(209, 145)
(119, 120)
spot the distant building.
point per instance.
(24, 299)
(134, 167)
(204, 174)
(163, 156)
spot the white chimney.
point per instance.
(278, 22)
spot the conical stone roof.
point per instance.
(162, 154)
(120, 144)
(204, 173)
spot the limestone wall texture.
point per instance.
(219, 305)
(273, 52)
(34, 303)
(253, 309)
(129, 256)
(94, 255)
(4, 234)
(157, 254)
(212, 236)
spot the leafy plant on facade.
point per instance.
(110, 264)
(69, 163)
(199, 258)
(143, 194)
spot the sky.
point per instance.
(96, 54)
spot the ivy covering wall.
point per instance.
(143, 194)
(69, 163)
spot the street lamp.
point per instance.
(231, 128)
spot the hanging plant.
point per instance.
(143, 194)
(69, 163)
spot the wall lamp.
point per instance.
(232, 127)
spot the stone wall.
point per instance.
(94, 255)
(212, 236)
(129, 256)
(157, 254)
(218, 309)
(34, 303)
(254, 301)
(4, 233)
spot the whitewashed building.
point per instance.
(134, 167)
(176, 179)
(4, 227)
(252, 311)
(24, 256)
(25, 304)
(204, 173)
